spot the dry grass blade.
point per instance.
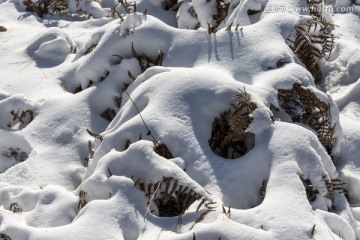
(90, 48)
(82, 201)
(95, 135)
(313, 230)
(201, 218)
(152, 198)
(263, 189)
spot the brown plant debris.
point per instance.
(95, 135)
(303, 106)
(90, 49)
(201, 217)
(162, 150)
(222, 7)
(229, 138)
(263, 189)
(312, 233)
(171, 5)
(226, 212)
(4, 236)
(3, 29)
(117, 101)
(15, 153)
(171, 197)
(311, 42)
(42, 7)
(21, 118)
(82, 201)
(128, 7)
(315, 7)
(309, 188)
(109, 114)
(14, 207)
(146, 62)
(332, 185)
(90, 155)
(192, 12)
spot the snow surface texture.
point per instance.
(107, 126)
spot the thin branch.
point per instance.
(137, 109)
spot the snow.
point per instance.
(91, 107)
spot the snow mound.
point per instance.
(16, 112)
(14, 149)
(51, 48)
(199, 95)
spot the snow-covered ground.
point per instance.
(206, 119)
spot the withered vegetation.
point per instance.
(229, 138)
(170, 197)
(4, 236)
(313, 40)
(332, 185)
(20, 118)
(42, 7)
(303, 106)
(162, 150)
(145, 61)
